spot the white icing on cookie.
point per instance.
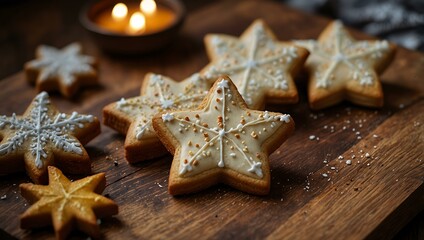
(167, 117)
(256, 62)
(223, 134)
(340, 54)
(40, 128)
(63, 64)
(161, 94)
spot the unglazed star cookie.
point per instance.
(66, 205)
(42, 136)
(64, 70)
(341, 68)
(261, 67)
(133, 116)
(222, 141)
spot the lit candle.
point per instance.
(133, 26)
(137, 23)
(119, 11)
(148, 7)
(134, 18)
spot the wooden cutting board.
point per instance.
(371, 198)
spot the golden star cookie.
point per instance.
(341, 68)
(64, 70)
(133, 116)
(221, 142)
(67, 205)
(261, 67)
(42, 136)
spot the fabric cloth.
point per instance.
(400, 21)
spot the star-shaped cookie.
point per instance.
(341, 68)
(64, 70)
(261, 67)
(65, 204)
(221, 141)
(42, 136)
(133, 116)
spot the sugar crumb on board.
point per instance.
(354, 125)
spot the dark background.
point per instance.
(25, 24)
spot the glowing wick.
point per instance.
(148, 6)
(119, 11)
(137, 22)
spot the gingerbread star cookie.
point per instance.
(261, 67)
(222, 141)
(42, 136)
(341, 68)
(63, 70)
(66, 205)
(133, 116)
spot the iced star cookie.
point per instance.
(67, 205)
(42, 136)
(64, 70)
(133, 116)
(342, 68)
(222, 141)
(261, 67)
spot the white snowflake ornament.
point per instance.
(43, 137)
(63, 70)
(222, 141)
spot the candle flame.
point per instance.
(119, 11)
(148, 6)
(137, 22)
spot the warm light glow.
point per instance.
(137, 22)
(148, 6)
(119, 11)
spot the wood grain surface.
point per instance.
(314, 194)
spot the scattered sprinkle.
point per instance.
(325, 175)
(348, 162)
(367, 155)
(3, 197)
(312, 137)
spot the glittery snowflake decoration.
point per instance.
(40, 132)
(159, 93)
(225, 135)
(259, 65)
(65, 66)
(337, 61)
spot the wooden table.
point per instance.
(371, 198)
